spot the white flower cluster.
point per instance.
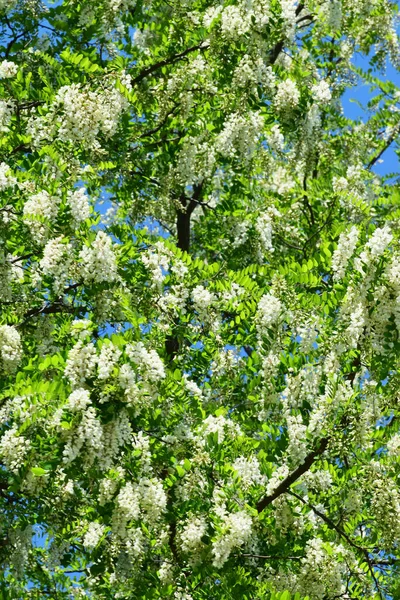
(79, 205)
(8, 69)
(81, 363)
(146, 360)
(276, 478)
(234, 22)
(192, 387)
(202, 299)
(318, 480)
(393, 445)
(153, 499)
(107, 489)
(79, 400)
(127, 381)
(248, 470)
(128, 505)
(56, 262)
(13, 449)
(374, 248)
(237, 20)
(99, 263)
(225, 362)
(107, 360)
(82, 115)
(344, 251)
(236, 531)
(379, 241)
(81, 328)
(88, 434)
(287, 95)
(38, 212)
(276, 139)
(160, 261)
(288, 8)
(145, 499)
(252, 71)
(308, 333)
(322, 574)
(268, 312)
(264, 228)
(20, 546)
(221, 427)
(385, 506)
(6, 180)
(321, 92)
(333, 13)
(93, 535)
(196, 161)
(297, 447)
(326, 404)
(6, 111)
(116, 434)
(281, 182)
(191, 536)
(240, 134)
(10, 348)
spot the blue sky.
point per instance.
(362, 94)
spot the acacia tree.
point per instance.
(199, 301)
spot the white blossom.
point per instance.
(108, 358)
(287, 95)
(8, 69)
(344, 251)
(202, 299)
(236, 531)
(99, 263)
(93, 535)
(39, 211)
(6, 179)
(10, 348)
(147, 360)
(56, 261)
(268, 311)
(81, 363)
(191, 536)
(321, 92)
(248, 470)
(13, 449)
(79, 400)
(379, 241)
(240, 134)
(79, 205)
(220, 426)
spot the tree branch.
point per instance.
(293, 476)
(388, 143)
(168, 61)
(344, 535)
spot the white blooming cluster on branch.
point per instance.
(98, 260)
(10, 348)
(81, 115)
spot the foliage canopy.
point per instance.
(199, 301)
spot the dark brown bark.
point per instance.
(293, 476)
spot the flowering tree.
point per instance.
(199, 301)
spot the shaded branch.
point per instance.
(277, 49)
